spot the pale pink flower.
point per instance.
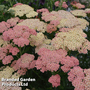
(64, 29)
(42, 10)
(26, 35)
(4, 26)
(78, 5)
(52, 67)
(26, 60)
(21, 41)
(69, 62)
(32, 64)
(65, 69)
(55, 80)
(17, 4)
(14, 50)
(8, 35)
(64, 5)
(73, 2)
(13, 63)
(7, 59)
(87, 79)
(56, 3)
(78, 84)
(75, 72)
(22, 71)
(49, 60)
(13, 21)
(54, 22)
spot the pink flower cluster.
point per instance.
(4, 26)
(64, 5)
(49, 60)
(56, 3)
(17, 4)
(19, 35)
(14, 50)
(77, 5)
(26, 61)
(52, 26)
(4, 51)
(76, 76)
(42, 10)
(13, 21)
(7, 59)
(69, 62)
(55, 80)
(87, 79)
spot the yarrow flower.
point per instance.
(13, 21)
(69, 62)
(56, 3)
(79, 13)
(49, 60)
(22, 9)
(19, 38)
(76, 76)
(7, 59)
(4, 26)
(64, 5)
(24, 62)
(7, 73)
(55, 80)
(36, 39)
(71, 40)
(34, 24)
(14, 50)
(77, 5)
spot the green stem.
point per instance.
(37, 74)
(76, 54)
(58, 70)
(10, 3)
(23, 49)
(20, 51)
(69, 52)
